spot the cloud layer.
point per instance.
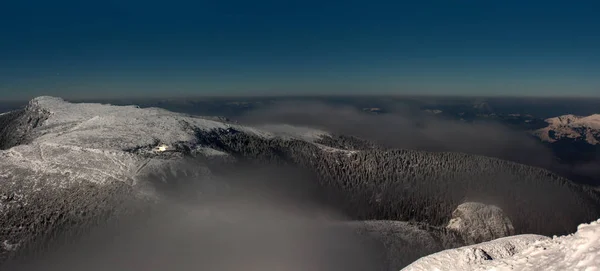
(405, 128)
(260, 220)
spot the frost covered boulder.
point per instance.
(478, 222)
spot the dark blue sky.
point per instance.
(169, 48)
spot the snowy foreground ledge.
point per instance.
(578, 251)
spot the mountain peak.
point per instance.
(45, 101)
(570, 126)
(592, 121)
(46, 98)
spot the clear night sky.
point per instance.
(90, 49)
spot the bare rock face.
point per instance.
(478, 222)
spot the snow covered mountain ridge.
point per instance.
(67, 121)
(96, 138)
(577, 251)
(586, 128)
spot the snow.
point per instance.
(478, 222)
(115, 127)
(335, 150)
(592, 121)
(37, 162)
(102, 126)
(578, 251)
(88, 142)
(571, 126)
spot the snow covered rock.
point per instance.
(586, 128)
(578, 251)
(478, 222)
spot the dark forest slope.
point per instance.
(423, 186)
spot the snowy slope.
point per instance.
(122, 127)
(578, 251)
(90, 141)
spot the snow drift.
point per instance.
(577, 251)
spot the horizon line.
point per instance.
(312, 95)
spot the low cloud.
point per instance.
(262, 219)
(406, 128)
